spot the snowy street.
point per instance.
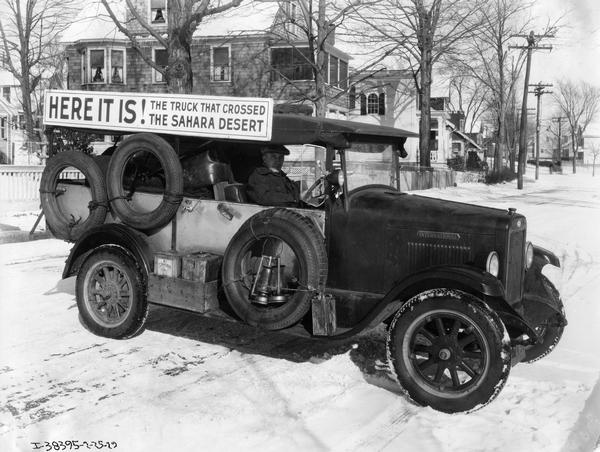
(188, 383)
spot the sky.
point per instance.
(576, 46)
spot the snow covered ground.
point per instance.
(190, 384)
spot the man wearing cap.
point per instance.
(268, 185)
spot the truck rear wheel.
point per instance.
(449, 351)
(111, 295)
(139, 149)
(272, 267)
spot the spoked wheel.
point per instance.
(110, 294)
(449, 351)
(272, 267)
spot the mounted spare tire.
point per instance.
(128, 151)
(272, 268)
(69, 225)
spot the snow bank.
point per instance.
(188, 383)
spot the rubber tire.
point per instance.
(491, 331)
(164, 152)
(299, 233)
(552, 334)
(59, 224)
(136, 317)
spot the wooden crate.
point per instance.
(202, 267)
(194, 296)
(167, 263)
(323, 315)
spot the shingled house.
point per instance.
(253, 50)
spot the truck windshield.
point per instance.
(367, 168)
(305, 164)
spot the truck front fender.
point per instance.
(466, 279)
(110, 234)
(542, 256)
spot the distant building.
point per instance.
(12, 136)
(385, 97)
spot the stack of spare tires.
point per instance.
(106, 178)
(105, 182)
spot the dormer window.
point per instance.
(158, 11)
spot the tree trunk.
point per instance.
(425, 121)
(179, 74)
(574, 151)
(320, 88)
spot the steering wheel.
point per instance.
(316, 195)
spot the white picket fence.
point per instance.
(22, 183)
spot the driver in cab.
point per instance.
(268, 185)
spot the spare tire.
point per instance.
(300, 250)
(173, 177)
(65, 226)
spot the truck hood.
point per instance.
(396, 209)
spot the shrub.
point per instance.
(504, 175)
(67, 139)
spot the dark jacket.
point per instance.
(268, 188)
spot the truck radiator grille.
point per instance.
(515, 262)
(427, 254)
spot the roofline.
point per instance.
(466, 137)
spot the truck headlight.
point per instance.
(492, 264)
(528, 255)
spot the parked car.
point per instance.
(163, 218)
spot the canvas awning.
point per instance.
(297, 129)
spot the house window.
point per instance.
(352, 98)
(3, 128)
(433, 156)
(343, 74)
(290, 63)
(433, 135)
(97, 71)
(161, 58)
(103, 66)
(6, 93)
(220, 64)
(158, 11)
(117, 59)
(373, 104)
(333, 71)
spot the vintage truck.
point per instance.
(162, 217)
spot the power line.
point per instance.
(531, 46)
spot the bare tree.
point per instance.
(312, 26)
(468, 95)
(579, 102)
(420, 32)
(29, 31)
(174, 33)
(489, 60)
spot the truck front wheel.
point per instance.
(110, 294)
(449, 351)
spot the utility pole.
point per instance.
(531, 45)
(538, 91)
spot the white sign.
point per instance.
(240, 118)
